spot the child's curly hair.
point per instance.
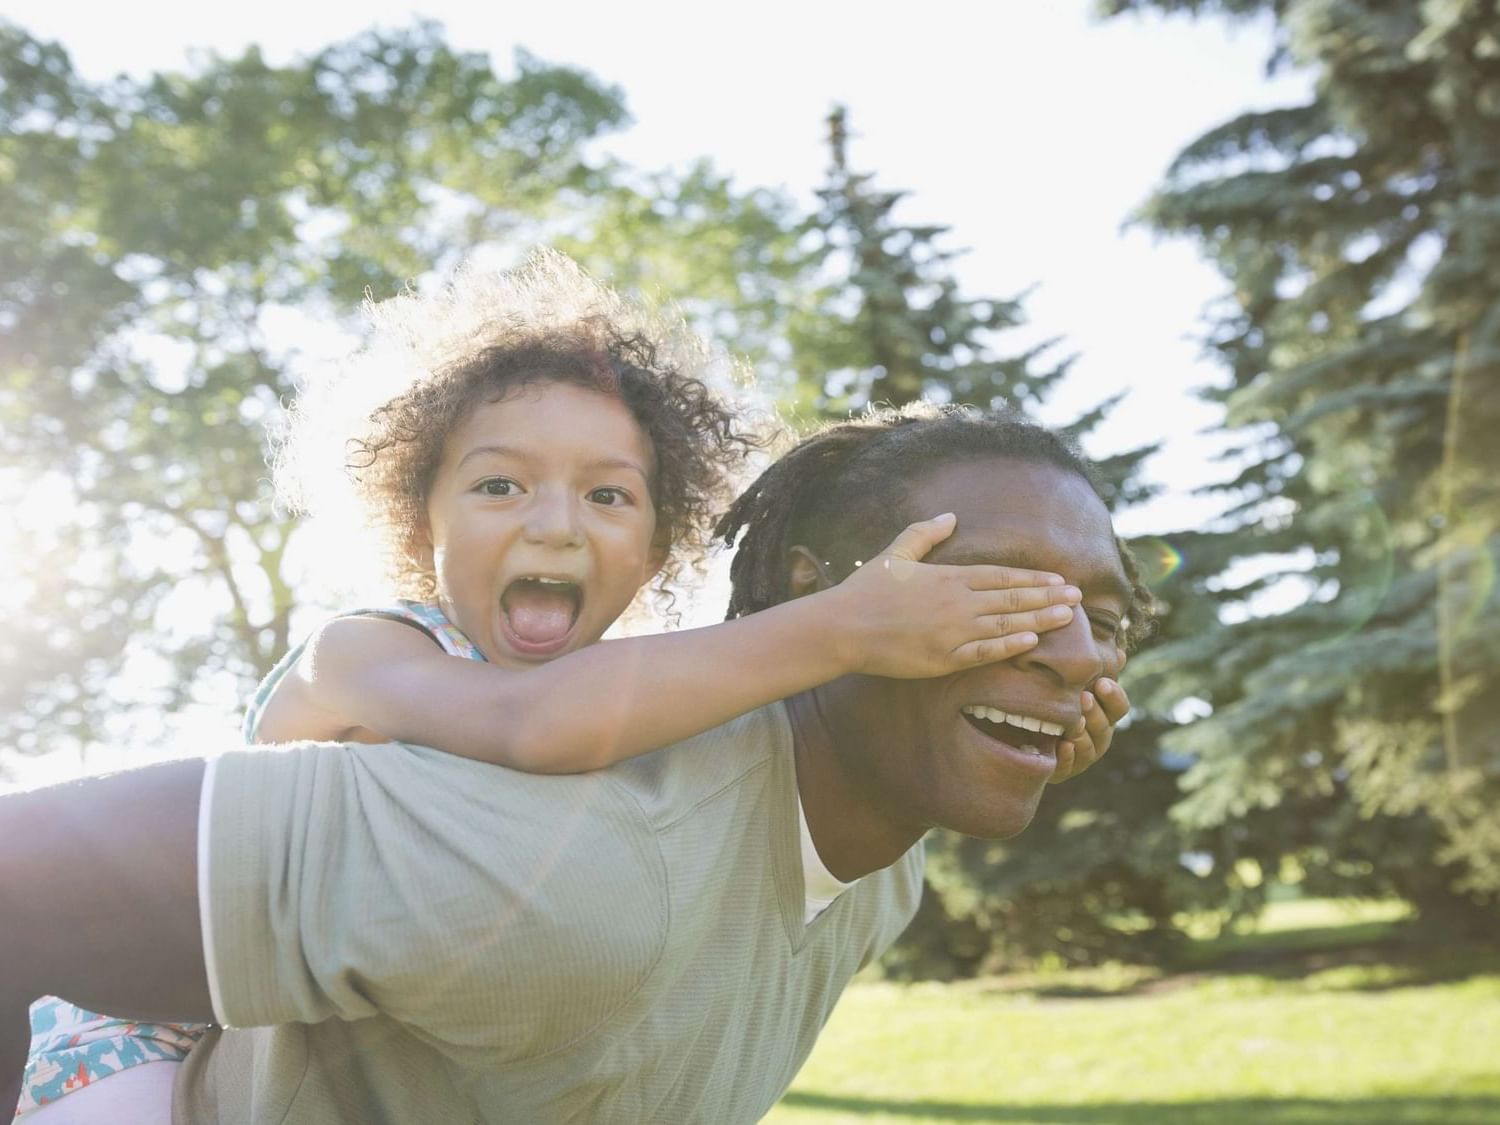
(372, 437)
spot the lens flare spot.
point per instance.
(1157, 558)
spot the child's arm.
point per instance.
(892, 617)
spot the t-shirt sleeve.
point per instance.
(499, 915)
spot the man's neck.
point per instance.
(853, 834)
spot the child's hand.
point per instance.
(1104, 705)
(911, 620)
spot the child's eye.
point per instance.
(609, 497)
(498, 486)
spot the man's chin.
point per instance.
(1000, 821)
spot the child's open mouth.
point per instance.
(540, 612)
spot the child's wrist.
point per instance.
(839, 628)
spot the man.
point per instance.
(400, 935)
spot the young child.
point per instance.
(533, 450)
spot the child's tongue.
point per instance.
(539, 614)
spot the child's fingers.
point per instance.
(1097, 725)
(1114, 704)
(1078, 754)
(1064, 767)
(1025, 598)
(1037, 621)
(1086, 742)
(995, 648)
(917, 539)
(981, 576)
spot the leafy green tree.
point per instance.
(157, 240)
(1344, 654)
(729, 258)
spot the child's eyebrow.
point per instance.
(618, 463)
(523, 455)
(491, 451)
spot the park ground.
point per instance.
(1325, 1012)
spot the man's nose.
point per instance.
(552, 520)
(1070, 654)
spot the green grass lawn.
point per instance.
(1284, 1026)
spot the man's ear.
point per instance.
(804, 573)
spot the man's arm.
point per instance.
(99, 902)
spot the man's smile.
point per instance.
(1027, 742)
(995, 715)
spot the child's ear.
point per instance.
(660, 552)
(804, 574)
(422, 547)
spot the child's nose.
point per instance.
(553, 521)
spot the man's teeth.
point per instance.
(1025, 722)
(552, 581)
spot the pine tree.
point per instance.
(890, 323)
(1351, 736)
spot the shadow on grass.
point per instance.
(1360, 966)
(1476, 1110)
(1396, 962)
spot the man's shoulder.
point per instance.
(736, 756)
(477, 887)
(642, 794)
(469, 817)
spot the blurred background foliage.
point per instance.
(1320, 704)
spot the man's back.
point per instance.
(625, 946)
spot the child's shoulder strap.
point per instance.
(423, 616)
(431, 620)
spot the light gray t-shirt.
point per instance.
(443, 940)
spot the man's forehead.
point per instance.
(1092, 570)
(1036, 516)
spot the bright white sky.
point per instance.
(1028, 128)
(1024, 126)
